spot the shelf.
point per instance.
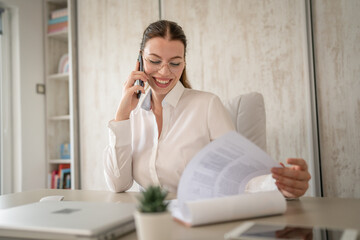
(62, 35)
(57, 118)
(59, 76)
(61, 90)
(59, 161)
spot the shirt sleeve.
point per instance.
(219, 120)
(118, 157)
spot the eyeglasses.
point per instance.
(155, 64)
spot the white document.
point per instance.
(212, 187)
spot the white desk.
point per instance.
(324, 212)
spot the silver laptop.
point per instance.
(67, 220)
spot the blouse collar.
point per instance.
(172, 98)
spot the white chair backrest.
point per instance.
(248, 114)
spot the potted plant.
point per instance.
(153, 220)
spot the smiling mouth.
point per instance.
(162, 82)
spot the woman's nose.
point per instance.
(164, 69)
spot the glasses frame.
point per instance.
(158, 68)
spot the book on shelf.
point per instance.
(57, 27)
(65, 151)
(214, 186)
(57, 181)
(58, 20)
(54, 179)
(60, 177)
(63, 166)
(64, 178)
(53, 183)
(60, 30)
(68, 181)
(59, 13)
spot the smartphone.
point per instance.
(267, 231)
(139, 82)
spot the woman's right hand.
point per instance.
(129, 98)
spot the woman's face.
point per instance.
(164, 62)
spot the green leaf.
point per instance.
(153, 200)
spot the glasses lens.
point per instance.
(156, 65)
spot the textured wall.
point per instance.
(238, 47)
(337, 38)
(109, 40)
(235, 47)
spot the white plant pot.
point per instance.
(153, 226)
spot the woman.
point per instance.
(153, 138)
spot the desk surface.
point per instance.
(308, 211)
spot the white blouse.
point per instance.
(191, 120)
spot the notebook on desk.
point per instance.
(67, 220)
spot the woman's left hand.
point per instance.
(292, 181)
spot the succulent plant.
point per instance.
(153, 200)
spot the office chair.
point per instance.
(248, 114)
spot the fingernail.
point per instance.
(275, 176)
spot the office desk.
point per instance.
(308, 211)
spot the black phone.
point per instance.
(139, 82)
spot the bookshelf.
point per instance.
(61, 92)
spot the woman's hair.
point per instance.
(166, 29)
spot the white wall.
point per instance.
(109, 42)
(27, 55)
(236, 47)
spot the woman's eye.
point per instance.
(155, 62)
(174, 64)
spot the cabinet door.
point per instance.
(337, 51)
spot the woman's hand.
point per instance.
(129, 98)
(292, 181)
